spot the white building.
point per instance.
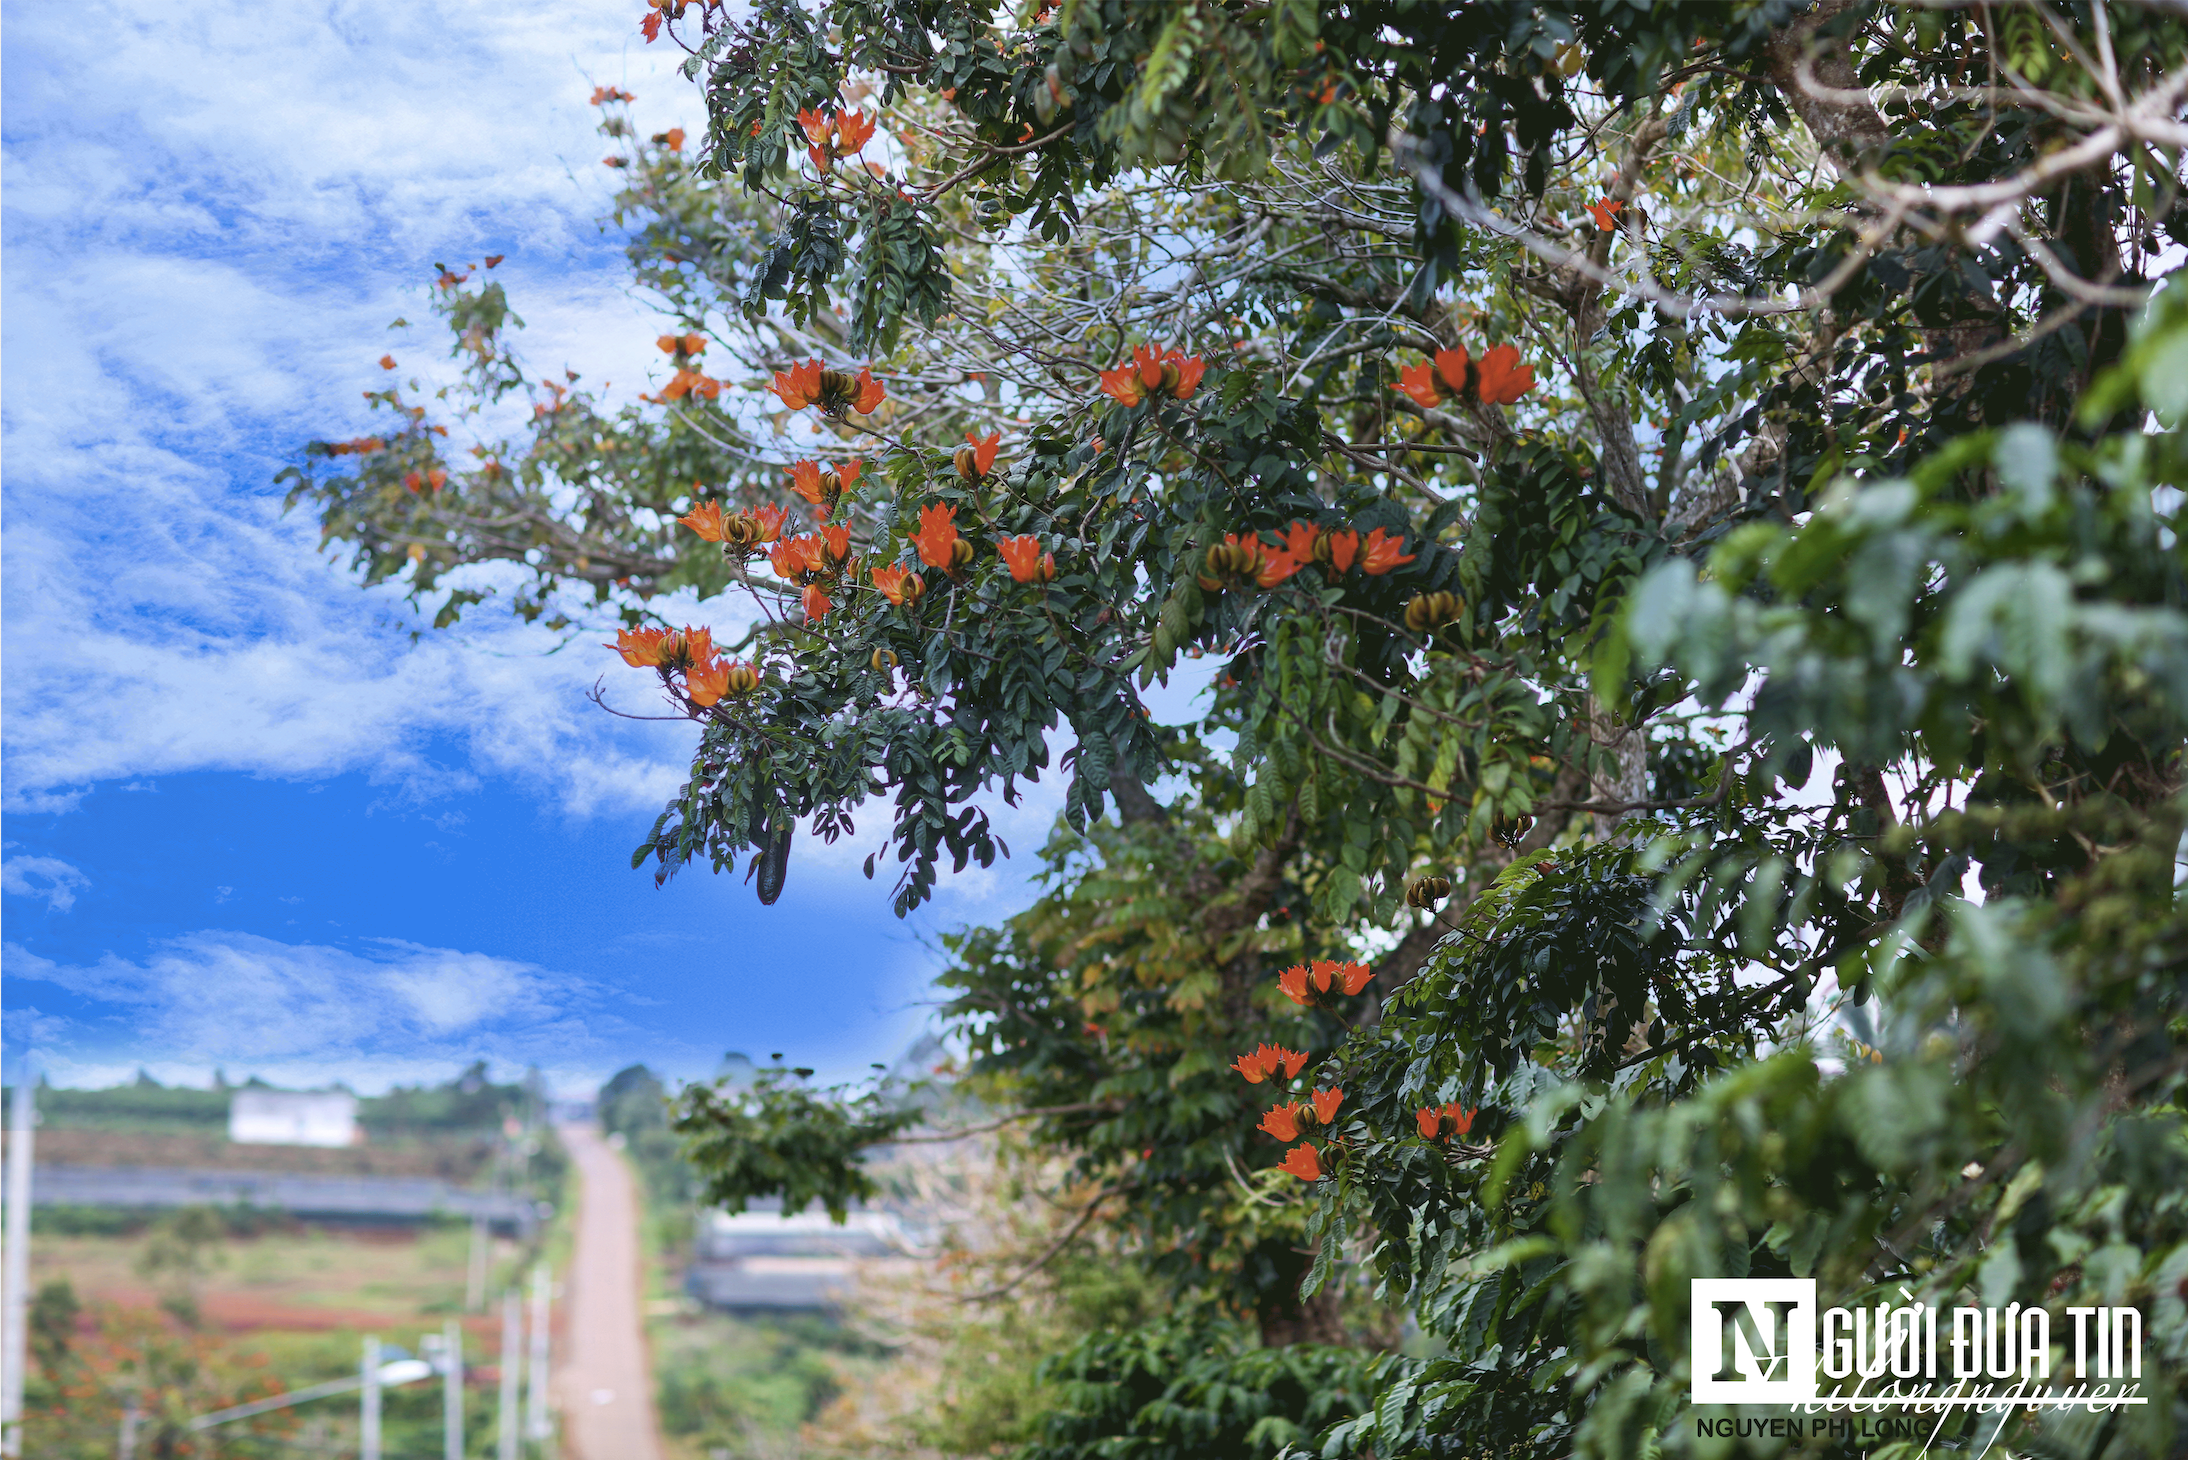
(293, 1118)
(764, 1259)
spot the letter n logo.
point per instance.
(1754, 1340)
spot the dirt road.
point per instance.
(603, 1384)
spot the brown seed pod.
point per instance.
(961, 553)
(1426, 892)
(1509, 829)
(884, 660)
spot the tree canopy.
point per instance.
(1683, 501)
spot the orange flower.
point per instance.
(674, 138)
(1293, 981)
(869, 392)
(1429, 1120)
(1451, 1120)
(1382, 553)
(1026, 560)
(1605, 213)
(1299, 541)
(805, 480)
(789, 559)
(770, 518)
(799, 386)
(641, 648)
(853, 129)
(1275, 568)
(1148, 361)
(1461, 1120)
(1123, 385)
(983, 451)
(837, 540)
(387, 362)
(436, 478)
(1267, 1060)
(890, 581)
(1190, 369)
(1503, 378)
(1452, 368)
(1419, 382)
(1282, 1122)
(937, 536)
(817, 603)
(1325, 1103)
(1343, 546)
(706, 683)
(1303, 1162)
(815, 125)
(706, 520)
(693, 646)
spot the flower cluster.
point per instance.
(1337, 552)
(834, 391)
(736, 529)
(433, 478)
(1026, 561)
(1173, 372)
(937, 540)
(1498, 379)
(1307, 984)
(975, 460)
(1451, 1121)
(690, 652)
(1268, 1060)
(899, 584)
(1286, 1122)
(362, 446)
(834, 135)
(823, 485)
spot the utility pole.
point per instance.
(368, 1413)
(512, 1361)
(15, 1269)
(452, 1391)
(474, 1287)
(536, 1426)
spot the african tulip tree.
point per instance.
(1674, 492)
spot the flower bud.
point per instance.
(1509, 829)
(743, 679)
(883, 661)
(1426, 892)
(967, 467)
(961, 554)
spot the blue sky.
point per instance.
(249, 825)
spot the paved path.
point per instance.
(604, 1384)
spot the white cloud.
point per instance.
(212, 215)
(302, 1014)
(47, 877)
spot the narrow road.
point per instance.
(604, 1384)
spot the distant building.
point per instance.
(763, 1259)
(293, 1118)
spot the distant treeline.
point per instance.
(468, 1103)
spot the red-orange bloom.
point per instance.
(937, 536)
(706, 683)
(796, 557)
(799, 386)
(983, 451)
(1383, 553)
(1303, 1162)
(1025, 559)
(837, 540)
(1430, 1120)
(1503, 378)
(1452, 367)
(692, 646)
(706, 520)
(1267, 1060)
(1190, 369)
(814, 121)
(1275, 568)
(641, 648)
(770, 518)
(1343, 547)
(1452, 1120)
(1325, 1103)
(805, 480)
(1605, 213)
(1282, 1122)
(848, 472)
(673, 139)
(1353, 977)
(890, 581)
(1419, 382)
(1299, 540)
(817, 603)
(1293, 981)
(1123, 385)
(869, 392)
(853, 130)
